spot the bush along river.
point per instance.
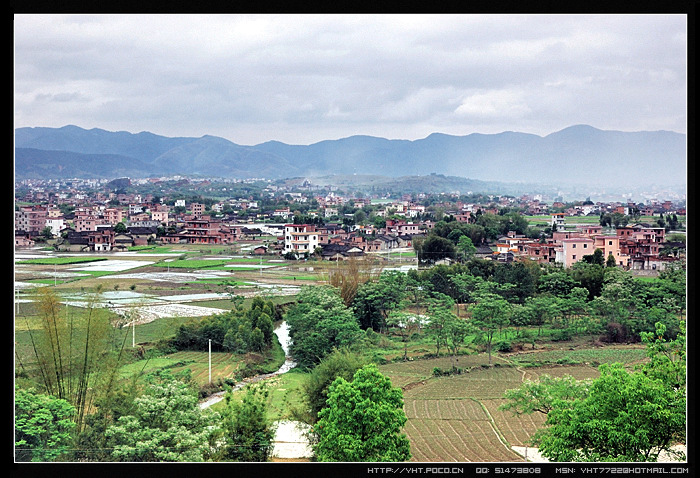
(282, 333)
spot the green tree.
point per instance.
(440, 316)
(120, 228)
(489, 314)
(624, 417)
(362, 421)
(590, 276)
(47, 233)
(595, 258)
(247, 433)
(541, 395)
(457, 331)
(167, 424)
(557, 283)
(44, 426)
(314, 389)
(359, 217)
(434, 248)
(318, 323)
(374, 300)
(405, 324)
(77, 354)
(610, 261)
(466, 247)
(667, 358)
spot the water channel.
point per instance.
(290, 437)
(282, 333)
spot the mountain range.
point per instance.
(577, 155)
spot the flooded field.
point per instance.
(175, 291)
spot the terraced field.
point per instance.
(456, 418)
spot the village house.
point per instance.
(204, 230)
(56, 224)
(30, 219)
(557, 219)
(260, 250)
(85, 223)
(643, 243)
(340, 252)
(161, 215)
(22, 239)
(300, 238)
(572, 250)
(537, 251)
(283, 213)
(197, 209)
(87, 241)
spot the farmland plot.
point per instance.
(579, 372)
(444, 409)
(456, 441)
(480, 383)
(456, 418)
(425, 367)
(515, 429)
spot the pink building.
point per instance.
(86, 223)
(573, 250)
(197, 209)
(160, 216)
(611, 245)
(113, 215)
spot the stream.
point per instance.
(282, 333)
(290, 436)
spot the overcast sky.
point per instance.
(301, 79)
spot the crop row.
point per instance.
(456, 418)
(456, 441)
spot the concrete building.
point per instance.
(300, 238)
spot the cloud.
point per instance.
(494, 104)
(305, 78)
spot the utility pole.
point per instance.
(133, 334)
(209, 360)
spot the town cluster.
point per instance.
(103, 222)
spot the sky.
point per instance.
(301, 79)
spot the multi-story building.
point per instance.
(610, 246)
(557, 219)
(160, 216)
(197, 209)
(572, 250)
(85, 223)
(30, 219)
(642, 243)
(301, 238)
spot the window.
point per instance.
(585, 246)
(610, 243)
(574, 257)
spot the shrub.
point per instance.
(504, 346)
(379, 359)
(615, 333)
(563, 335)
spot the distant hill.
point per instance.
(578, 155)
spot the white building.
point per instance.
(300, 238)
(56, 224)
